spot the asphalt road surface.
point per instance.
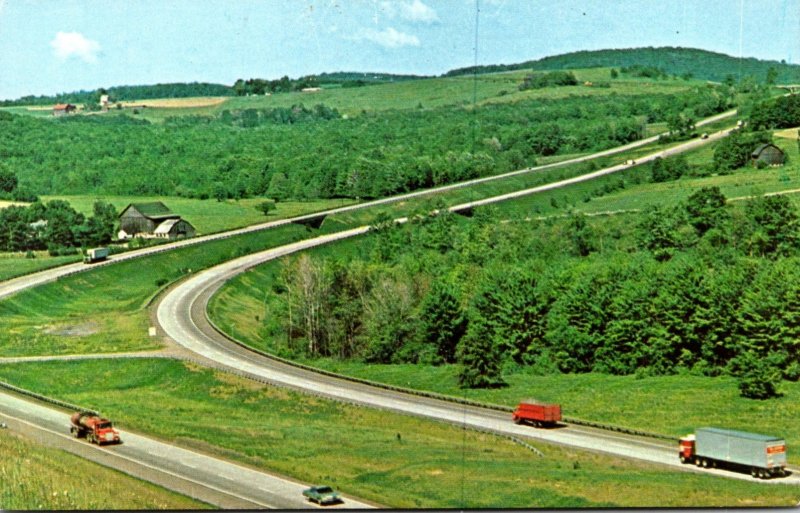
(206, 478)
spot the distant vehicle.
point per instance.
(764, 456)
(95, 429)
(630, 162)
(704, 136)
(322, 495)
(95, 255)
(537, 414)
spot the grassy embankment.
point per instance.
(33, 477)
(429, 465)
(104, 310)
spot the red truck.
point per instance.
(94, 428)
(537, 414)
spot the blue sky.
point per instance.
(51, 46)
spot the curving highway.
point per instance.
(181, 315)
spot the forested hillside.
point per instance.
(299, 152)
(700, 64)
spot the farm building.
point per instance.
(174, 229)
(152, 220)
(769, 154)
(62, 109)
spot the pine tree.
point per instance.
(443, 321)
(480, 358)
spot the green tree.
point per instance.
(480, 358)
(706, 209)
(266, 206)
(774, 226)
(443, 321)
(757, 378)
(8, 180)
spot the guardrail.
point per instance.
(44, 398)
(431, 395)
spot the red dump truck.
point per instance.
(764, 456)
(94, 428)
(537, 414)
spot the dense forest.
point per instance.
(692, 62)
(701, 287)
(315, 152)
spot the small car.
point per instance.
(322, 495)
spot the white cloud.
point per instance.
(418, 11)
(390, 38)
(74, 44)
(415, 11)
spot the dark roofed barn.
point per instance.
(769, 154)
(144, 217)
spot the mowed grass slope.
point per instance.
(33, 477)
(104, 309)
(394, 460)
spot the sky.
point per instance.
(53, 46)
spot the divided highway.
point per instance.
(181, 315)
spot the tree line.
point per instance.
(126, 93)
(56, 227)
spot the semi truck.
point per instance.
(95, 255)
(763, 455)
(537, 414)
(94, 428)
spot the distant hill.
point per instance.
(194, 89)
(700, 64)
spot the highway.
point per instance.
(206, 478)
(181, 315)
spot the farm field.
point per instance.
(429, 465)
(404, 95)
(42, 478)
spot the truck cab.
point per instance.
(686, 451)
